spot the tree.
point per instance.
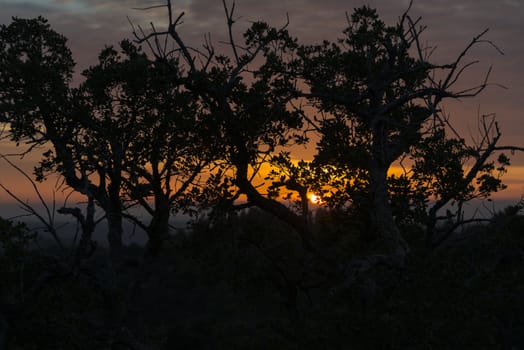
(140, 114)
(126, 134)
(244, 102)
(379, 91)
(42, 110)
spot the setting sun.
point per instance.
(315, 199)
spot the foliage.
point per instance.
(379, 101)
(36, 68)
(440, 166)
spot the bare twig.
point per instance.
(48, 222)
(148, 8)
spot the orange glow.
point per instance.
(315, 199)
(10, 178)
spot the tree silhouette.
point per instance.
(43, 110)
(125, 135)
(380, 92)
(244, 101)
(140, 114)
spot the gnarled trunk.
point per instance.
(158, 230)
(115, 231)
(379, 209)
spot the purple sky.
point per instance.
(90, 24)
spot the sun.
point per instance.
(315, 199)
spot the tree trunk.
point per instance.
(114, 235)
(379, 209)
(158, 230)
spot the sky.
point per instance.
(91, 24)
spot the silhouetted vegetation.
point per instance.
(227, 285)
(385, 261)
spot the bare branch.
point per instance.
(148, 8)
(48, 223)
(449, 232)
(452, 75)
(135, 221)
(509, 148)
(230, 22)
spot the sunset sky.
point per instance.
(91, 24)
